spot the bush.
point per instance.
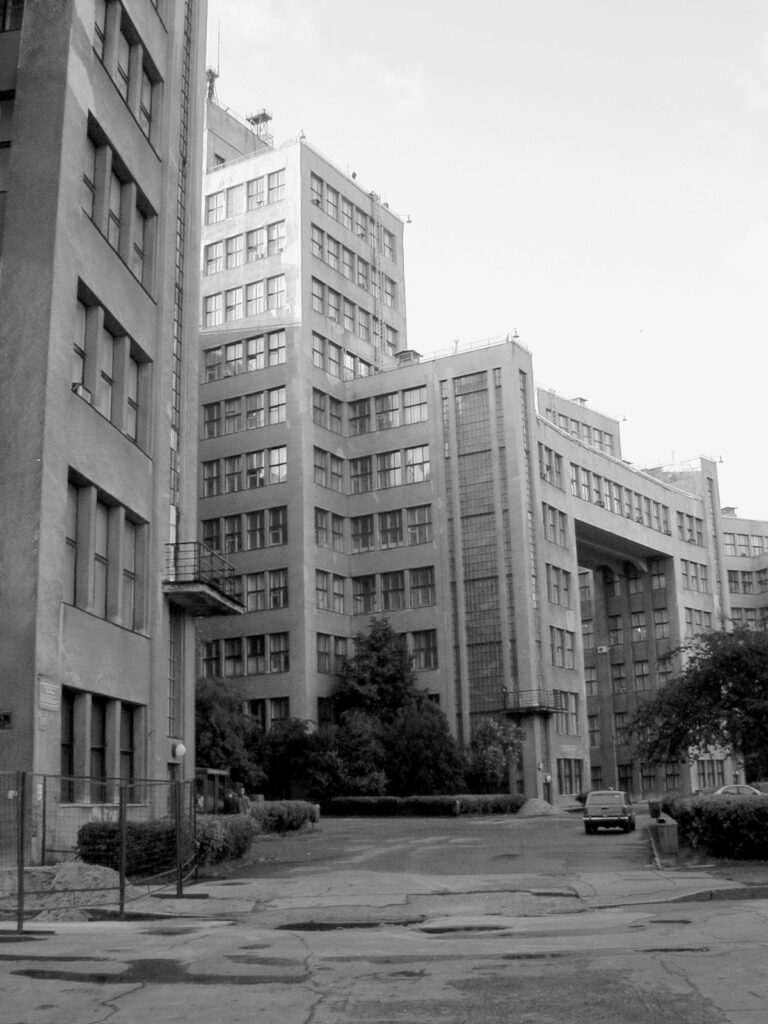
(283, 815)
(223, 837)
(723, 826)
(150, 845)
(424, 806)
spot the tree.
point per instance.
(422, 756)
(718, 700)
(379, 677)
(224, 736)
(494, 748)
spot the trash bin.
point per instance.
(654, 808)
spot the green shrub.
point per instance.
(723, 826)
(425, 806)
(223, 837)
(150, 845)
(283, 815)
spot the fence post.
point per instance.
(177, 811)
(123, 830)
(21, 792)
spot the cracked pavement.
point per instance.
(459, 920)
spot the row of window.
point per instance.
(638, 628)
(641, 680)
(256, 353)
(370, 593)
(351, 217)
(648, 777)
(244, 301)
(744, 582)
(245, 471)
(258, 655)
(117, 206)
(120, 48)
(247, 531)
(249, 195)
(109, 370)
(697, 621)
(385, 529)
(664, 670)
(752, 618)
(264, 712)
(605, 493)
(106, 553)
(353, 318)
(602, 440)
(338, 361)
(256, 244)
(244, 412)
(744, 544)
(353, 267)
(93, 759)
(694, 576)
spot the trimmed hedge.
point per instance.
(151, 845)
(223, 837)
(723, 826)
(283, 815)
(424, 806)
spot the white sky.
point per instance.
(592, 173)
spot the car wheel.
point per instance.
(632, 825)
(627, 827)
(588, 829)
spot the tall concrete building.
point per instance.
(538, 576)
(101, 112)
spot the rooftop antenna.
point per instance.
(260, 122)
(211, 75)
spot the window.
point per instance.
(275, 237)
(642, 675)
(390, 529)
(337, 594)
(233, 415)
(554, 525)
(363, 538)
(214, 257)
(322, 536)
(621, 727)
(566, 713)
(233, 534)
(388, 244)
(360, 417)
(569, 775)
(422, 587)
(415, 405)
(590, 680)
(363, 595)
(318, 242)
(234, 248)
(558, 586)
(593, 727)
(233, 475)
(618, 678)
(419, 523)
(323, 648)
(235, 200)
(661, 623)
(337, 532)
(276, 292)
(254, 193)
(561, 647)
(211, 478)
(254, 470)
(615, 630)
(388, 469)
(215, 208)
(424, 650)
(211, 529)
(145, 103)
(213, 310)
(255, 245)
(392, 591)
(276, 186)
(278, 464)
(639, 628)
(322, 589)
(318, 296)
(387, 290)
(210, 659)
(417, 468)
(587, 634)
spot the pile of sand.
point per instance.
(535, 808)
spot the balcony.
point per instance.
(199, 581)
(530, 702)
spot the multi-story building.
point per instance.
(100, 121)
(537, 575)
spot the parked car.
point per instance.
(608, 808)
(738, 791)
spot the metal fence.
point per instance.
(77, 842)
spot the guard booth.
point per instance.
(211, 785)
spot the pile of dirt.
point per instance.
(61, 890)
(535, 808)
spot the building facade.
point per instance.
(539, 578)
(100, 122)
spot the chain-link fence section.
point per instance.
(78, 842)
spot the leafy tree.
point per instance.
(224, 737)
(379, 677)
(422, 756)
(494, 747)
(287, 748)
(719, 699)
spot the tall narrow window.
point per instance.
(145, 104)
(123, 64)
(98, 750)
(129, 574)
(70, 567)
(113, 216)
(100, 559)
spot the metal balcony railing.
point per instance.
(529, 702)
(200, 580)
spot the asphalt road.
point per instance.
(469, 921)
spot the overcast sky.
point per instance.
(590, 173)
